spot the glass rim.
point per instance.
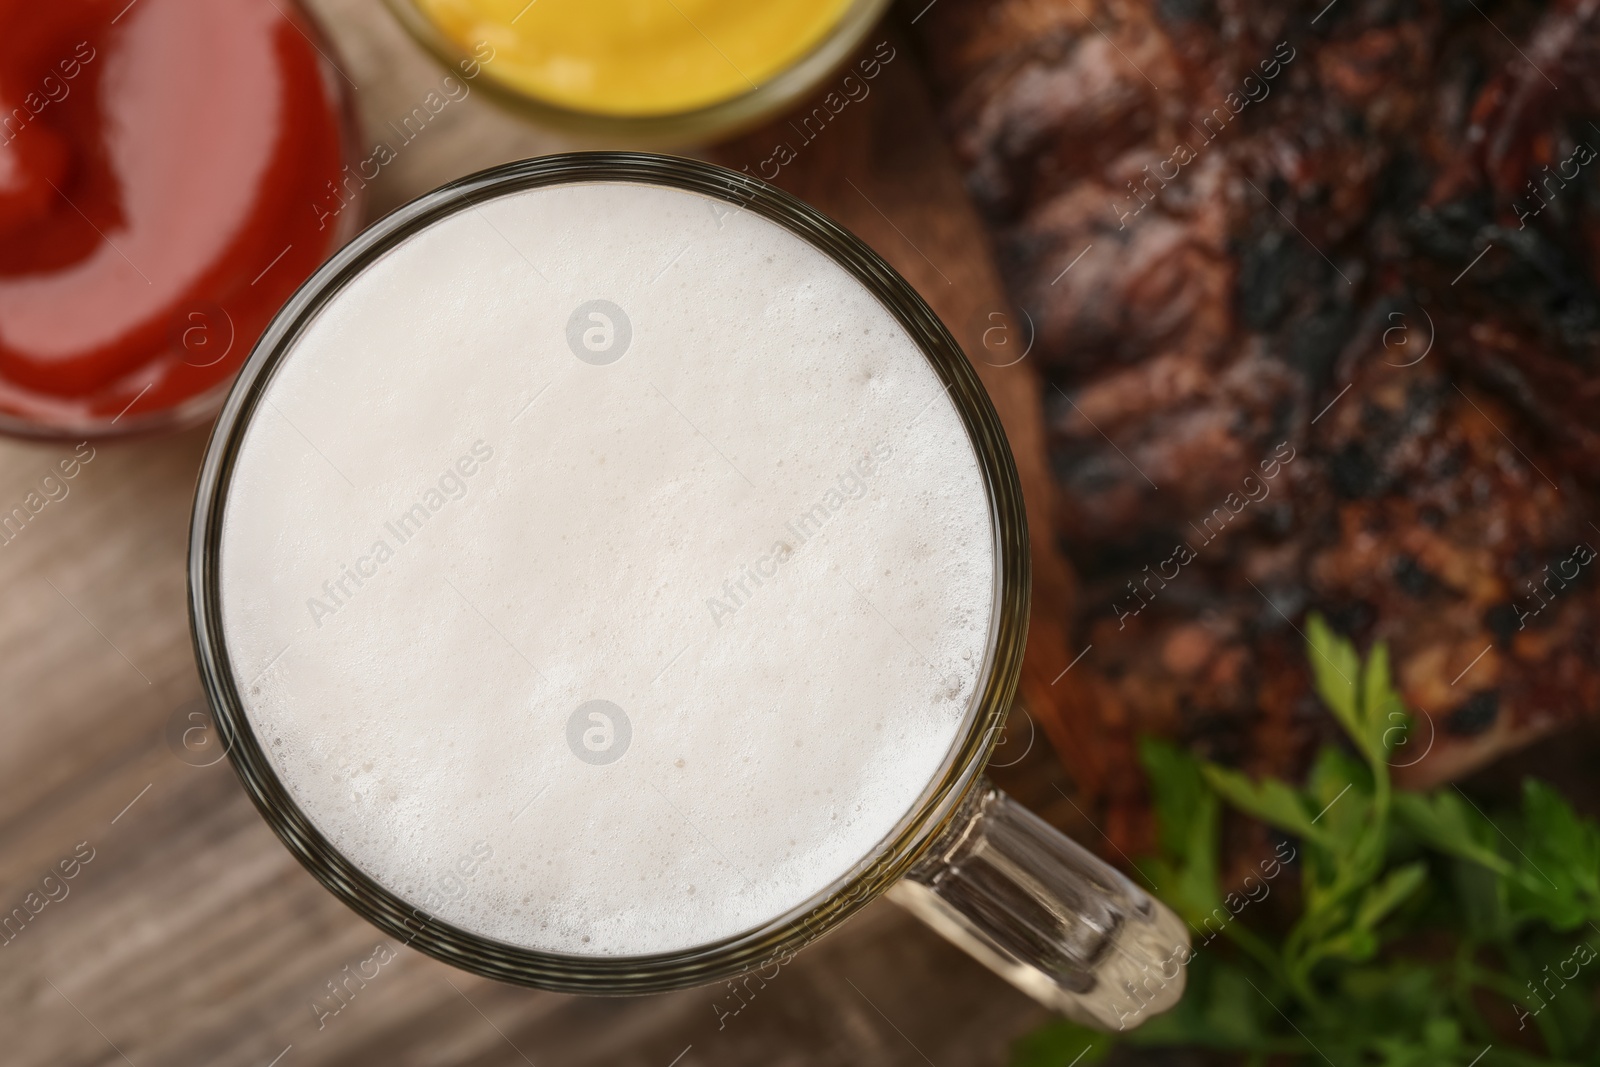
(779, 938)
(719, 119)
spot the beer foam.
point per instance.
(606, 572)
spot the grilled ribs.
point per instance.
(1356, 248)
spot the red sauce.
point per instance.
(160, 163)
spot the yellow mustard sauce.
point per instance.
(636, 57)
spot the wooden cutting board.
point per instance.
(188, 936)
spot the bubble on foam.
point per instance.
(421, 707)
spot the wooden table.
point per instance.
(190, 937)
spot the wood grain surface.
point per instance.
(190, 937)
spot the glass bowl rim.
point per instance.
(199, 407)
(720, 119)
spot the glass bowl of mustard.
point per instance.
(643, 72)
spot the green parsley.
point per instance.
(1427, 933)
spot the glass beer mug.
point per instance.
(563, 351)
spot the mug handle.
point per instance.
(1045, 914)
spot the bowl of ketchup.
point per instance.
(165, 168)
